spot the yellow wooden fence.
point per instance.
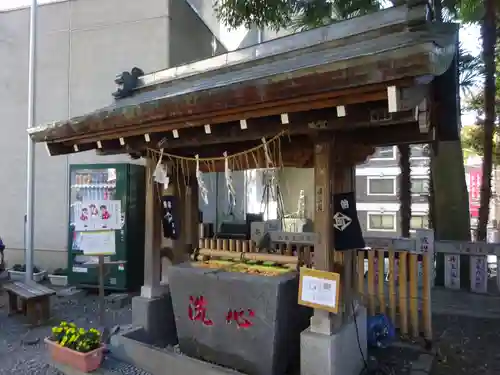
(394, 276)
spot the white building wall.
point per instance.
(82, 45)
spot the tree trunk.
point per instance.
(405, 189)
(438, 10)
(449, 196)
(430, 195)
(488, 31)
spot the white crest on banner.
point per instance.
(201, 183)
(231, 193)
(160, 174)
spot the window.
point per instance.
(385, 153)
(419, 222)
(381, 186)
(419, 151)
(255, 187)
(420, 186)
(385, 222)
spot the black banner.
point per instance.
(347, 230)
(171, 221)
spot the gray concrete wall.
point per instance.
(82, 45)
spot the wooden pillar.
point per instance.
(152, 237)
(344, 182)
(191, 235)
(185, 188)
(330, 177)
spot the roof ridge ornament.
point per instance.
(127, 82)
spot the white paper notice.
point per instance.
(97, 243)
(319, 291)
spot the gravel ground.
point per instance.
(395, 359)
(466, 345)
(22, 350)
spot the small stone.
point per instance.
(114, 330)
(31, 341)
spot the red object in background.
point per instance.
(475, 176)
(240, 317)
(197, 310)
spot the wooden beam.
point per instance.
(360, 115)
(389, 134)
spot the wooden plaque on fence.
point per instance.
(319, 289)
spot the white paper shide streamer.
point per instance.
(231, 193)
(269, 162)
(201, 183)
(160, 174)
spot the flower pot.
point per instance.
(86, 362)
(58, 280)
(20, 276)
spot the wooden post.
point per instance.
(101, 289)
(331, 177)
(344, 182)
(192, 213)
(152, 236)
(322, 321)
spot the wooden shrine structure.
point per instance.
(326, 97)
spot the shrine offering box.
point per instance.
(250, 323)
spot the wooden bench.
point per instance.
(34, 298)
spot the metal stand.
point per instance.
(270, 187)
(103, 272)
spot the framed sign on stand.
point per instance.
(100, 245)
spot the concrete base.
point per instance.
(156, 318)
(338, 354)
(130, 347)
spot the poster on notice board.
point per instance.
(97, 215)
(98, 242)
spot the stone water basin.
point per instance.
(241, 316)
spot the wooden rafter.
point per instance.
(367, 115)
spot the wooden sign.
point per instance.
(320, 198)
(259, 228)
(319, 289)
(424, 244)
(303, 238)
